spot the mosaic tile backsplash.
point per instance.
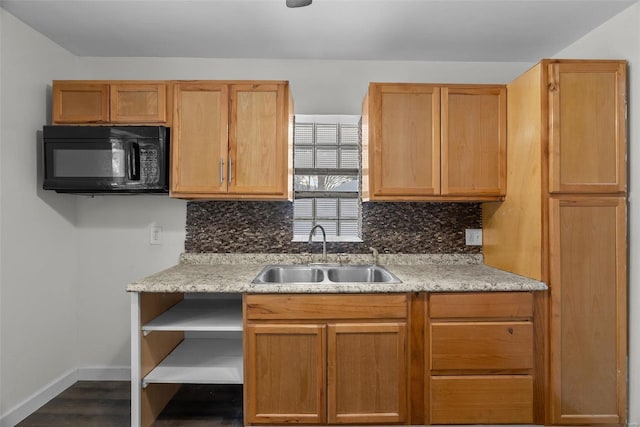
(390, 227)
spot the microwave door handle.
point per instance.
(134, 162)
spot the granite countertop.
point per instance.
(425, 272)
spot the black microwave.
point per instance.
(106, 159)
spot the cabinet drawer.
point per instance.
(506, 399)
(486, 345)
(482, 305)
(310, 307)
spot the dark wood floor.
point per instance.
(108, 404)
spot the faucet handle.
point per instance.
(375, 254)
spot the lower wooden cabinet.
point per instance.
(481, 399)
(335, 360)
(285, 379)
(344, 359)
(588, 328)
(481, 345)
(481, 365)
(367, 373)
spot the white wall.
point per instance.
(619, 38)
(38, 248)
(318, 87)
(113, 238)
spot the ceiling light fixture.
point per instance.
(298, 3)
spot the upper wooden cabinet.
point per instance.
(79, 102)
(138, 103)
(433, 142)
(230, 140)
(474, 158)
(105, 102)
(587, 139)
(199, 138)
(404, 155)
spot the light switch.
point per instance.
(155, 234)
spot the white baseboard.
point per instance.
(57, 386)
(117, 373)
(39, 398)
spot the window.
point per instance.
(327, 177)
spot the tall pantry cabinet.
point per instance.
(563, 221)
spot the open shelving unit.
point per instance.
(200, 361)
(199, 314)
(211, 352)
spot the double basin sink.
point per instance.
(324, 274)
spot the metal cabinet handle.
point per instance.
(221, 171)
(230, 170)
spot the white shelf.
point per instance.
(205, 314)
(201, 361)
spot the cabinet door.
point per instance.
(80, 103)
(474, 140)
(367, 374)
(588, 310)
(587, 140)
(258, 140)
(138, 103)
(285, 374)
(199, 139)
(404, 155)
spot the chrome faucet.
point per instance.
(375, 255)
(324, 241)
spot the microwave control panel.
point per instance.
(149, 165)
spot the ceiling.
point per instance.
(415, 30)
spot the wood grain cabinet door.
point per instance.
(404, 156)
(258, 140)
(588, 310)
(138, 103)
(367, 373)
(587, 140)
(80, 102)
(285, 376)
(199, 141)
(474, 140)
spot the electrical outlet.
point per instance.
(473, 236)
(155, 234)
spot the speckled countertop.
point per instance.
(425, 272)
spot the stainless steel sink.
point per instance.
(361, 273)
(289, 274)
(324, 274)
